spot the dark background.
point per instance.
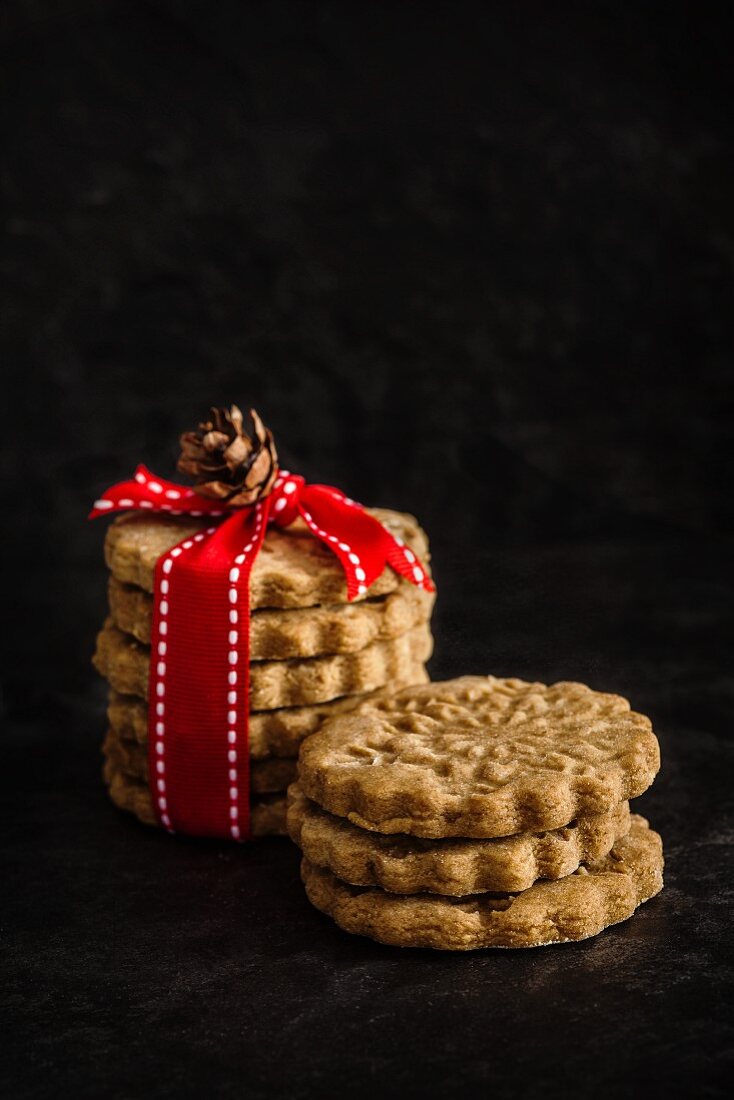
(467, 260)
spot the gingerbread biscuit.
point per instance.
(293, 569)
(581, 905)
(266, 776)
(123, 661)
(480, 757)
(270, 732)
(410, 865)
(267, 812)
(277, 635)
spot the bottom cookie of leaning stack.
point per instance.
(267, 812)
(127, 777)
(478, 813)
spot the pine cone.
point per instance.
(225, 463)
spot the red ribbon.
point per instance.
(198, 685)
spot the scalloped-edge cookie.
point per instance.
(480, 757)
(277, 635)
(293, 569)
(267, 812)
(581, 905)
(270, 732)
(266, 776)
(411, 865)
(123, 661)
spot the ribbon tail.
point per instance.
(362, 544)
(407, 563)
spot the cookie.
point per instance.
(266, 776)
(410, 865)
(271, 732)
(267, 813)
(581, 905)
(123, 661)
(480, 757)
(277, 635)
(293, 569)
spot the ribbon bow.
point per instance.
(198, 685)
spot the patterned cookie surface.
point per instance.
(293, 569)
(267, 812)
(123, 661)
(276, 635)
(480, 757)
(270, 732)
(581, 905)
(410, 865)
(266, 776)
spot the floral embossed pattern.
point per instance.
(480, 757)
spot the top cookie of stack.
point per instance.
(478, 812)
(312, 653)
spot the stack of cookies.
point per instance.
(313, 655)
(478, 812)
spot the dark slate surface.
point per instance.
(469, 260)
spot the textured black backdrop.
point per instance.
(469, 260)
(473, 261)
